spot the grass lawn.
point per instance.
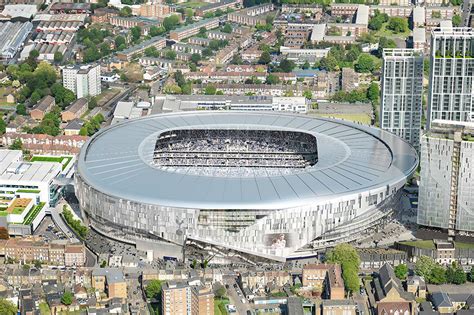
(427, 244)
(44, 308)
(464, 245)
(384, 32)
(31, 191)
(362, 118)
(219, 306)
(33, 213)
(192, 4)
(58, 159)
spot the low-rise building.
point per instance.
(34, 249)
(110, 281)
(338, 307)
(42, 107)
(127, 54)
(222, 5)
(223, 102)
(193, 29)
(389, 293)
(325, 277)
(46, 144)
(251, 16)
(75, 110)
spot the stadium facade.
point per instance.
(269, 185)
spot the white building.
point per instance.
(451, 94)
(26, 190)
(225, 102)
(402, 94)
(82, 80)
(126, 110)
(447, 180)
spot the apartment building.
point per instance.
(251, 16)
(446, 179)
(127, 54)
(327, 277)
(205, 298)
(222, 5)
(451, 88)
(128, 22)
(402, 94)
(179, 298)
(83, 80)
(110, 281)
(156, 10)
(193, 29)
(103, 15)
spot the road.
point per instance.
(58, 220)
(235, 297)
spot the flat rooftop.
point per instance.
(12, 168)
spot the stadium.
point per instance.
(259, 185)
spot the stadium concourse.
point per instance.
(260, 185)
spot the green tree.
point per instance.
(153, 289)
(125, 11)
(373, 92)
(196, 58)
(308, 94)
(210, 90)
(350, 277)
(151, 52)
(92, 103)
(120, 42)
(385, 42)
(156, 31)
(456, 275)
(3, 126)
(227, 28)
(272, 79)
(438, 275)
(170, 22)
(265, 58)
(287, 65)
(136, 33)
(220, 292)
(343, 253)
(377, 21)
(401, 271)
(456, 20)
(34, 54)
(7, 307)
(397, 24)
(170, 54)
(423, 266)
(16, 145)
(306, 65)
(58, 57)
(67, 298)
(21, 109)
(365, 63)
(328, 63)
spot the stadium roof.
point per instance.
(351, 159)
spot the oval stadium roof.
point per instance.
(351, 159)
